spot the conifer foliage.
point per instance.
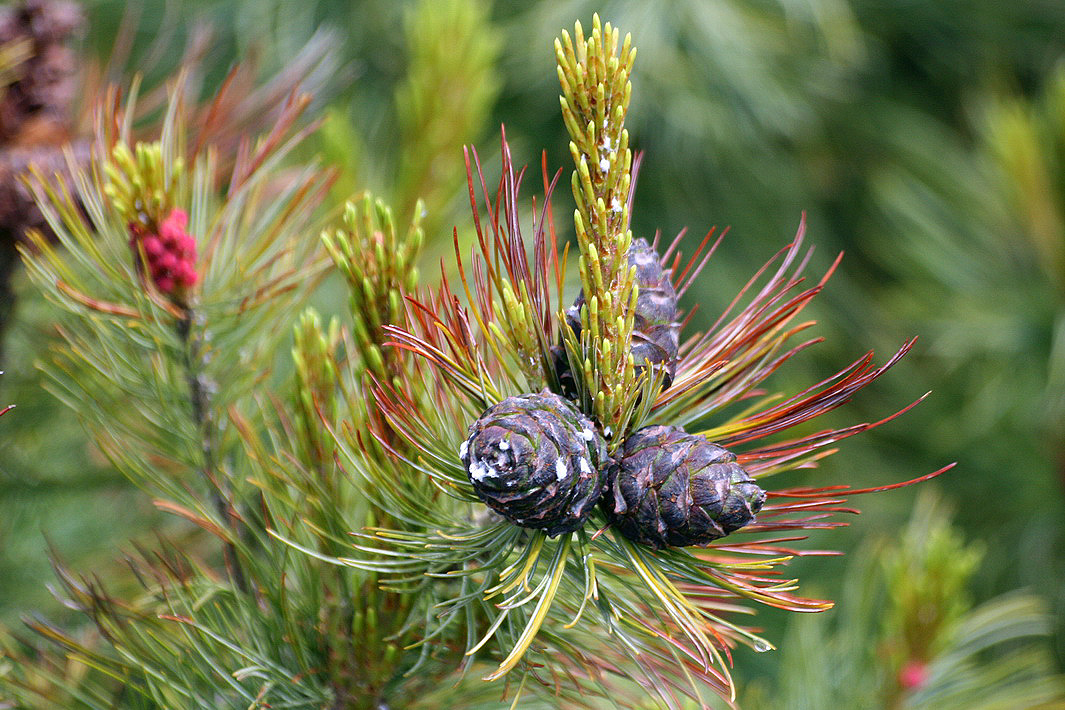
(909, 637)
(345, 557)
(665, 612)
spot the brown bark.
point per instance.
(34, 123)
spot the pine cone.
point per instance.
(670, 488)
(656, 332)
(535, 460)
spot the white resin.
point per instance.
(479, 471)
(560, 469)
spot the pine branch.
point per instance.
(552, 593)
(668, 612)
(162, 362)
(199, 398)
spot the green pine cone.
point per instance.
(536, 460)
(668, 488)
(656, 332)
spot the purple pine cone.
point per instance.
(670, 488)
(536, 460)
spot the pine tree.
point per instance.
(339, 552)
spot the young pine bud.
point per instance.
(655, 333)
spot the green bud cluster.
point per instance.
(141, 183)
(594, 77)
(313, 353)
(656, 332)
(380, 266)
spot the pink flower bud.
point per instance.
(170, 236)
(170, 255)
(152, 246)
(186, 275)
(179, 218)
(168, 261)
(172, 229)
(913, 675)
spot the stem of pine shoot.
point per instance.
(200, 398)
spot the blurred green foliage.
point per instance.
(926, 139)
(908, 635)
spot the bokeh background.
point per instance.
(925, 139)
